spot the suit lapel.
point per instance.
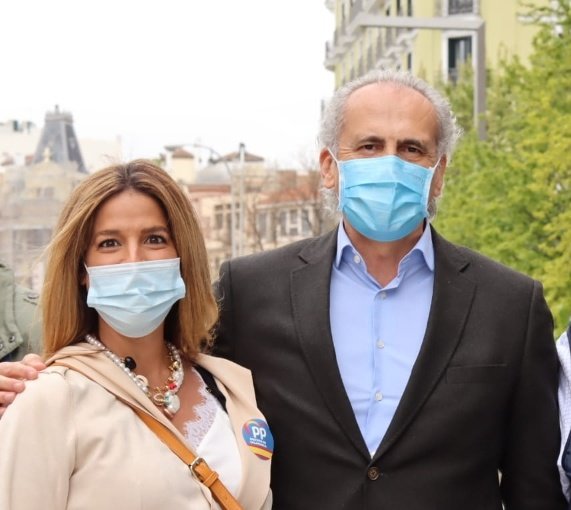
(310, 286)
(451, 303)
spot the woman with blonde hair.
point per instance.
(127, 315)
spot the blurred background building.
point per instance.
(38, 170)
(244, 205)
(435, 55)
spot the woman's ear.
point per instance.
(83, 277)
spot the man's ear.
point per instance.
(327, 169)
(438, 179)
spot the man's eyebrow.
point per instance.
(370, 139)
(413, 141)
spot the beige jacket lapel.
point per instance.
(94, 364)
(235, 383)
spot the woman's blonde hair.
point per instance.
(66, 316)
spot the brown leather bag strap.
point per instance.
(197, 465)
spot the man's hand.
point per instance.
(13, 375)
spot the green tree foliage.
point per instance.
(510, 195)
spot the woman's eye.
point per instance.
(108, 243)
(156, 239)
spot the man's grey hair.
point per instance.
(333, 115)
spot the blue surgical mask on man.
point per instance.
(384, 198)
(134, 298)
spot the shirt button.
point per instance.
(373, 473)
(380, 344)
(378, 396)
(357, 259)
(383, 295)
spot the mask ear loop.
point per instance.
(428, 185)
(333, 156)
(433, 168)
(341, 179)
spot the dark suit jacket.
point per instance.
(481, 396)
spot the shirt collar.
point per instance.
(423, 246)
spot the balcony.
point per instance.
(360, 67)
(391, 42)
(346, 35)
(380, 46)
(354, 9)
(368, 4)
(390, 37)
(348, 27)
(330, 59)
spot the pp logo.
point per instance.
(259, 439)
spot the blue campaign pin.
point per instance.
(258, 437)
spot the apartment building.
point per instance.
(273, 209)
(32, 193)
(360, 42)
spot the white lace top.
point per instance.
(211, 437)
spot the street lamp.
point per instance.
(242, 159)
(476, 25)
(220, 158)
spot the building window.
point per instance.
(379, 44)
(305, 222)
(409, 61)
(262, 225)
(459, 51)
(282, 223)
(293, 222)
(218, 217)
(409, 7)
(460, 6)
(273, 226)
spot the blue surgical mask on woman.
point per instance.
(134, 298)
(384, 198)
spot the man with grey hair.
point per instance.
(396, 370)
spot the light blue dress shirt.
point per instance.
(377, 331)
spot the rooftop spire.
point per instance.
(59, 141)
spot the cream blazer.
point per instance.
(66, 443)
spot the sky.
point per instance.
(156, 73)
